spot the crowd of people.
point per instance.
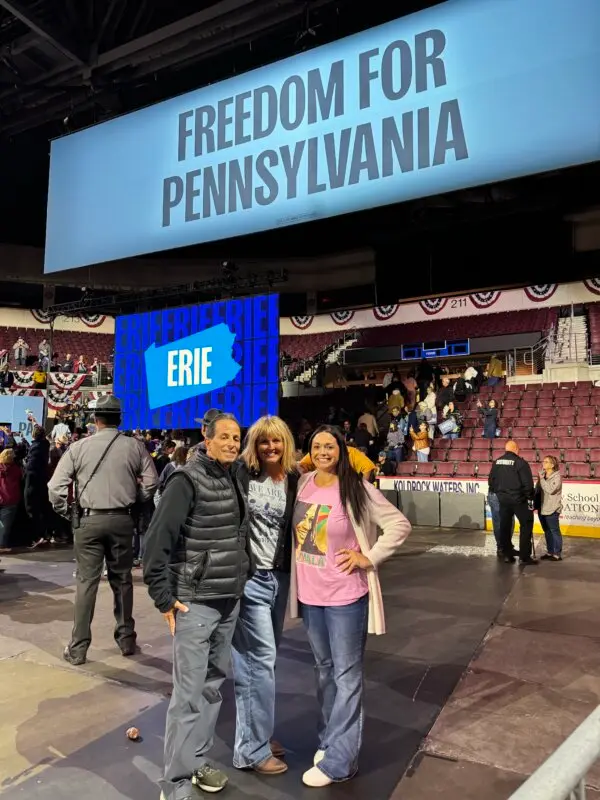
(233, 531)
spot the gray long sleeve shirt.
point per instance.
(127, 473)
(551, 493)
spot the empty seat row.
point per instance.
(472, 469)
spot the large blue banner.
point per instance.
(461, 94)
(172, 366)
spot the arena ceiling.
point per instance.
(66, 64)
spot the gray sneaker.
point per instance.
(209, 779)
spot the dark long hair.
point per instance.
(352, 487)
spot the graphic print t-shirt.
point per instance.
(321, 528)
(266, 503)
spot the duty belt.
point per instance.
(93, 512)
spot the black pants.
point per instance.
(525, 516)
(100, 538)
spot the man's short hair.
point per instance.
(211, 428)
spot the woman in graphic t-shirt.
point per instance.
(334, 577)
(268, 474)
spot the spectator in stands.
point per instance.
(428, 415)
(68, 365)
(421, 442)
(362, 438)
(396, 437)
(494, 371)
(511, 480)
(7, 378)
(81, 367)
(39, 377)
(445, 394)
(450, 412)
(470, 376)
(44, 350)
(95, 371)
(412, 419)
(388, 378)
(550, 486)
(424, 378)
(337, 519)
(60, 428)
(410, 385)
(490, 419)
(20, 350)
(368, 419)
(395, 400)
(10, 496)
(347, 432)
(386, 465)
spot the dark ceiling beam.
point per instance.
(203, 46)
(45, 31)
(220, 16)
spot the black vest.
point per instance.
(212, 561)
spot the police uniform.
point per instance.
(126, 474)
(512, 482)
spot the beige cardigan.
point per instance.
(380, 514)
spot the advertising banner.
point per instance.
(461, 94)
(581, 501)
(172, 366)
(20, 413)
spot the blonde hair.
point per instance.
(269, 426)
(7, 456)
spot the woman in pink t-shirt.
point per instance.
(337, 552)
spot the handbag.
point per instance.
(76, 510)
(447, 426)
(537, 498)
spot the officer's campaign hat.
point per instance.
(107, 404)
(210, 415)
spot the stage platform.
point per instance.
(534, 676)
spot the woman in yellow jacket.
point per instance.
(421, 442)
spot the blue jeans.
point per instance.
(421, 456)
(451, 436)
(551, 526)
(254, 650)
(493, 381)
(337, 636)
(7, 518)
(494, 505)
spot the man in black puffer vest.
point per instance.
(196, 564)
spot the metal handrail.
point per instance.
(562, 776)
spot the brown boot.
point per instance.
(271, 766)
(277, 749)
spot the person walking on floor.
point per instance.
(550, 485)
(337, 521)
(511, 481)
(109, 473)
(268, 475)
(196, 565)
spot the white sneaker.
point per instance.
(319, 756)
(316, 779)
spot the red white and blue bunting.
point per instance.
(67, 381)
(541, 292)
(383, 313)
(342, 317)
(433, 305)
(93, 320)
(40, 315)
(484, 299)
(593, 285)
(302, 323)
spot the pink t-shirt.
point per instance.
(321, 528)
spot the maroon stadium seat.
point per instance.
(405, 468)
(425, 469)
(581, 471)
(445, 469)
(465, 469)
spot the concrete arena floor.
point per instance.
(535, 674)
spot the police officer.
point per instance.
(512, 482)
(110, 472)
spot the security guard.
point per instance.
(110, 472)
(512, 482)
